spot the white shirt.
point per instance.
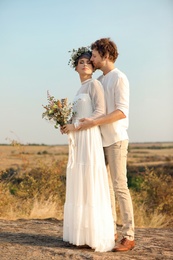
(116, 89)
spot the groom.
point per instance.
(114, 133)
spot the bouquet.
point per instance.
(59, 111)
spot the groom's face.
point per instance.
(97, 60)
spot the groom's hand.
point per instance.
(85, 123)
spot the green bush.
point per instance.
(39, 182)
(157, 192)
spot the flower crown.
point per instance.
(75, 54)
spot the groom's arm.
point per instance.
(114, 116)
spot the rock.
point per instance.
(42, 239)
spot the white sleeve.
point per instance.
(122, 95)
(96, 93)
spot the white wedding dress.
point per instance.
(87, 211)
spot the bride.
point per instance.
(87, 211)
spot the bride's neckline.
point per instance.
(85, 81)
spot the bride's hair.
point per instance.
(82, 52)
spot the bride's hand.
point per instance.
(62, 130)
(68, 128)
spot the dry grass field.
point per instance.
(32, 182)
(150, 154)
(29, 156)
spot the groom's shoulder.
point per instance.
(100, 77)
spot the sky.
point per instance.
(35, 39)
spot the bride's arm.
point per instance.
(96, 93)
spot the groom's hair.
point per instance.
(106, 46)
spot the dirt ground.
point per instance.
(42, 239)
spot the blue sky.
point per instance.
(35, 37)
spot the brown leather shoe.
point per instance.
(124, 245)
(116, 237)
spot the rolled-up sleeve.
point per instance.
(121, 95)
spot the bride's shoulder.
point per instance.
(96, 82)
(95, 86)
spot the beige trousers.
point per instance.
(116, 161)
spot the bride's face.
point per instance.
(84, 66)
